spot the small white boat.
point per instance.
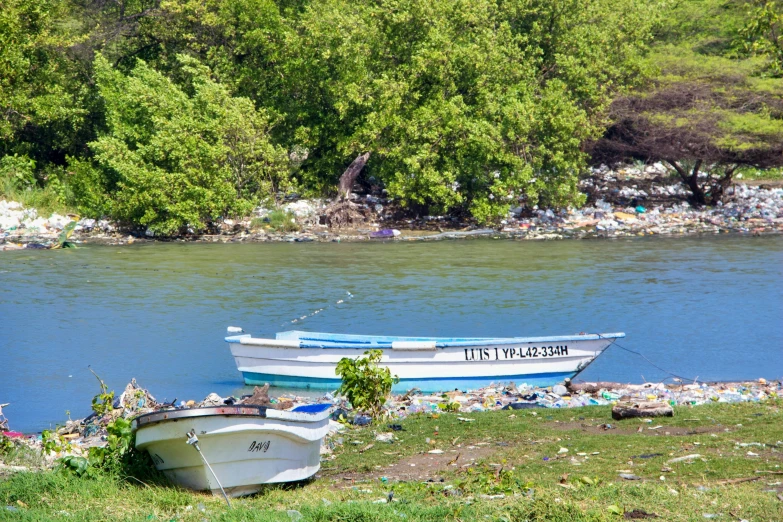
(246, 446)
(297, 359)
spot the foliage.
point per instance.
(464, 105)
(170, 160)
(707, 113)
(364, 383)
(111, 458)
(6, 444)
(53, 443)
(41, 109)
(280, 220)
(467, 106)
(763, 33)
(102, 403)
(17, 172)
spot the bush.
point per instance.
(365, 384)
(282, 221)
(17, 172)
(177, 156)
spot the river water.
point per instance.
(709, 307)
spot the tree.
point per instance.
(763, 33)
(41, 110)
(463, 106)
(705, 135)
(706, 111)
(170, 159)
(467, 105)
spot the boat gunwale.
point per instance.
(207, 411)
(357, 345)
(239, 410)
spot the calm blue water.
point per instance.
(707, 307)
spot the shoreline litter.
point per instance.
(623, 201)
(78, 436)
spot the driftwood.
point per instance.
(260, 397)
(348, 177)
(627, 410)
(592, 387)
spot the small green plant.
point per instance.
(364, 383)
(103, 402)
(53, 443)
(257, 223)
(6, 444)
(109, 458)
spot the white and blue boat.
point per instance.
(239, 448)
(297, 359)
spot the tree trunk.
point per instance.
(691, 180)
(351, 173)
(719, 187)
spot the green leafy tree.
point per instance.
(177, 156)
(41, 98)
(464, 105)
(763, 33)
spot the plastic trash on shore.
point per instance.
(385, 233)
(136, 400)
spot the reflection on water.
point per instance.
(706, 307)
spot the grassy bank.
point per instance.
(502, 465)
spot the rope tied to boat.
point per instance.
(348, 297)
(193, 441)
(674, 375)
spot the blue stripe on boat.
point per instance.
(435, 384)
(312, 408)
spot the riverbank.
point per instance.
(623, 202)
(714, 461)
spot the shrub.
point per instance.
(178, 156)
(365, 384)
(282, 221)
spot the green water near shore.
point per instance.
(708, 307)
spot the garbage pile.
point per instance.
(621, 201)
(510, 397)
(25, 224)
(77, 436)
(646, 201)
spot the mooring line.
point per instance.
(674, 375)
(348, 297)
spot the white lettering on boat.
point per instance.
(256, 446)
(495, 353)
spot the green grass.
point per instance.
(45, 200)
(276, 221)
(537, 482)
(760, 174)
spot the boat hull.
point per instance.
(245, 450)
(420, 363)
